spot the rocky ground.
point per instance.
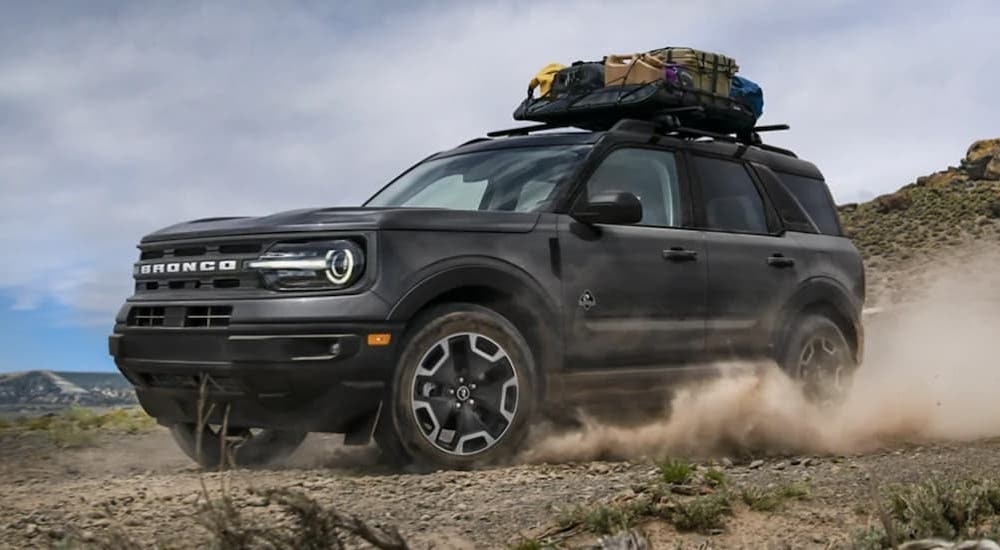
(142, 485)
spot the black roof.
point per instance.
(775, 158)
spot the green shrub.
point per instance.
(769, 500)
(935, 509)
(702, 514)
(607, 519)
(675, 471)
(716, 476)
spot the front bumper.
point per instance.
(293, 376)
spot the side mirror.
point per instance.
(612, 207)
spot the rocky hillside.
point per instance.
(46, 389)
(940, 210)
(936, 216)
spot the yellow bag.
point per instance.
(543, 79)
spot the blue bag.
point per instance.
(749, 93)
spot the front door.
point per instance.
(635, 294)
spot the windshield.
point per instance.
(516, 180)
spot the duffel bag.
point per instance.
(748, 93)
(579, 78)
(543, 79)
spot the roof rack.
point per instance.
(665, 123)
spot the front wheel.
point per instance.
(464, 390)
(242, 447)
(817, 355)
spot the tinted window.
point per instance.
(650, 175)
(815, 198)
(788, 207)
(730, 197)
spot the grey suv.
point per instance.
(511, 276)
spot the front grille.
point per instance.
(208, 316)
(179, 268)
(144, 316)
(180, 316)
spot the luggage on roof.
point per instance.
(749, 93)
(693, 85)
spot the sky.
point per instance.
(117, 118)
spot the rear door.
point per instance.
(635, 294)
(753, 268)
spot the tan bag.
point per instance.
(636, 68)
(709, 72)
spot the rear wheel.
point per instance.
(463, 393)
(240, 446)
(818, 356)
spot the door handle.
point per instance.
(678, 254)
(779, 260)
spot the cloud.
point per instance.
(121, 118)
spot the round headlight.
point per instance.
(342, 264)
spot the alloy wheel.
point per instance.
(464, 393)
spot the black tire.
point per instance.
(818, 356)
(453, 409)
(246, 448)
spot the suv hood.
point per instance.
(351, 218)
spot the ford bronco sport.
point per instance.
(488, 284)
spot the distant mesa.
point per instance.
(48, 389)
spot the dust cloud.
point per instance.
(931, 373)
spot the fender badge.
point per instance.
(587, 300)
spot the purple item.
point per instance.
(672, 74)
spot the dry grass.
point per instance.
(80, 426)
(302, 523)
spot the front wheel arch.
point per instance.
(824, 298)
(502, 288)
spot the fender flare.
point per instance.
(473, 271)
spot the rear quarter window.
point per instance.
(814, 196)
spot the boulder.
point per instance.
(892, 202)
(945, 179)
(982, 161)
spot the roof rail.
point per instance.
(474, 140)
(525, 130)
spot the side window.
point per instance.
(730, 197)
(649, 174)
(815, 198)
